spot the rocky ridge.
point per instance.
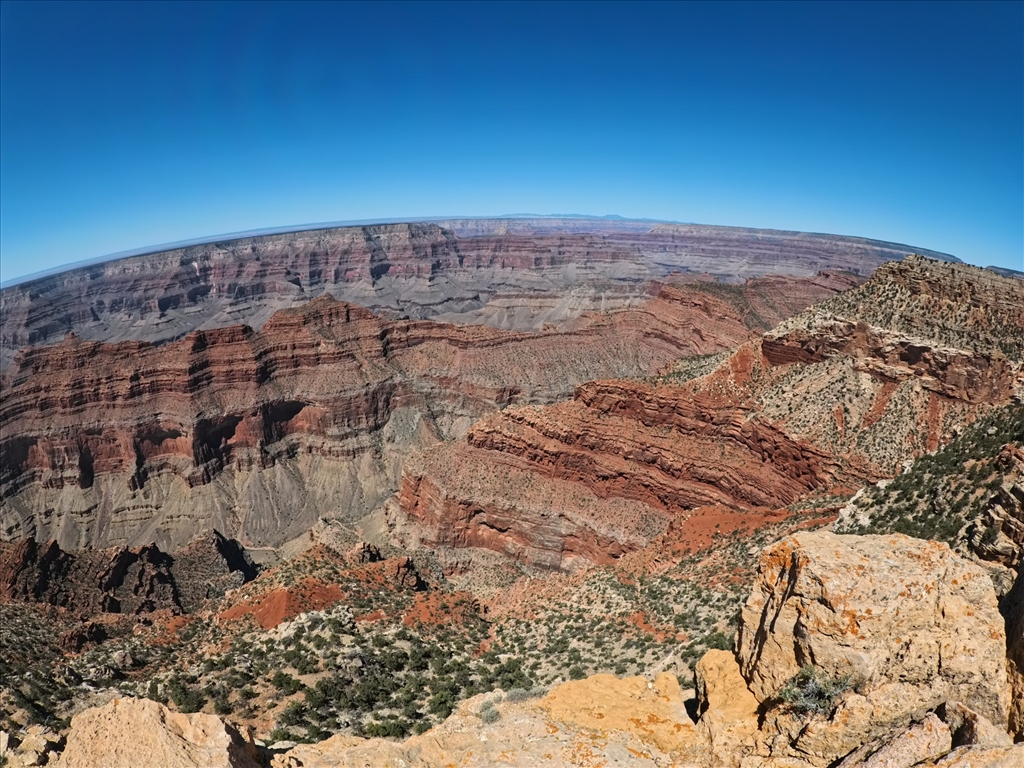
(122, 580)
(825, 401)
(849, 654)
(413, 269)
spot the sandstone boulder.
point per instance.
(599, 721)
(906, 623)
(654, 711)
(968, 728)
(927, 740)
(982, 757)
(129, 733)
(728, 710)
(1013, 611)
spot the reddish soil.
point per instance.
(697, 530)
(432, 609)
(170, 629)
(878, 407)
(639, 620)
(286, 603)
(374, 616)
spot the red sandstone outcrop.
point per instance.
(117, 443)
(956, 328)
(826, 399)
(646, 454)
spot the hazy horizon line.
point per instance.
(311, 227)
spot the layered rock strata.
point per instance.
(826, 400)
(593, 478)
(259, 433)
(417, 269)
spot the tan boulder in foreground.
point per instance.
(1014, 609)
(907, 622)
(138, 733)
(727, 709)
(603, 720)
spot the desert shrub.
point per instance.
(441, 704)
(388, 728)
(522, 694)
(280, 734)
(222, 706)
(185, 697)
(814, 691)
(488, 713)
(286, 683)
(720, 641)
(294, 714)
(307, 665)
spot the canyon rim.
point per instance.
(540, 491)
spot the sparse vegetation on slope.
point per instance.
(942, 492)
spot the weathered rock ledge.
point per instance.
(901, 637)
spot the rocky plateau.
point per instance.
(451, 270)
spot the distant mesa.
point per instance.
(449, 269)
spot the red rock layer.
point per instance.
(764, 302)
(321, 380)
(80, 409)
(204, 285)
(820, 402)
(970, 376)
(645, 445)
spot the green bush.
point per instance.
(389, 728)
(186, 698)
(286, 683)
(812, 690)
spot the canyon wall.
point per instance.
(259, 433)
(416, 270)
(830, 399)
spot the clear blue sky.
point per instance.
(124, 125)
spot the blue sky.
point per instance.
(124, 125)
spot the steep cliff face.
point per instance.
(825, 399)
(591, 479)
(121, 580)
(418, 270)
(258, 433)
